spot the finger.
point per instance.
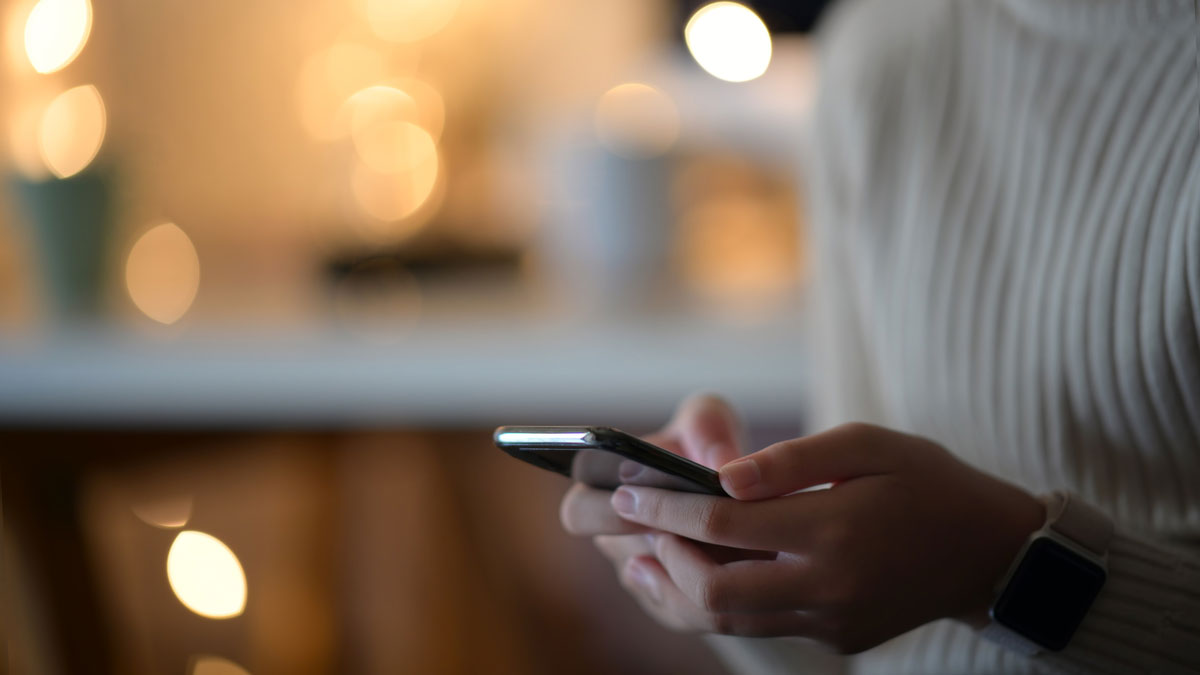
(741, 587)
(769, 525)
(708, 430)
(649, 583)
(666, 439)
(620, 548)
(837, 455)
(588, 511)
(634, 473)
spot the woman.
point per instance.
(1006, 200)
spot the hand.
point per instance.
(704, 429)
(907, 534)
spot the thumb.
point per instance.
(840, 454)
(708, 430)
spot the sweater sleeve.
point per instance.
(1146, 618)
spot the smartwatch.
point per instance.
(1055, 578)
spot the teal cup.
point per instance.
(70, 222)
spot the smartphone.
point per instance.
(594, 455)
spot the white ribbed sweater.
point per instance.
(1006, 202)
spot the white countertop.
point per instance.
(478, 372)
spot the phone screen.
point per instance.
(606, 458)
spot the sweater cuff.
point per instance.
(1145, 619)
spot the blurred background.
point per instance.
(271, 271)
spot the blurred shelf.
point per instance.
(444, 373)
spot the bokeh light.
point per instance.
(395, 146)
(169, 512)
(407, 20)
(392, 199)
(374, 105)
(729, 41)
(56, 32)
(162, 273)
(431, 109)
(215, 665)
(72, 130)
(24, 134)
(636, 120)
(327, 79)
(407, 99)
(206, 576)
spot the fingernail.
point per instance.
(630, 470)
(644, 579)
(624, 501)
(740, 474)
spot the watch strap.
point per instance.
(1079, 522)
(1068, 518)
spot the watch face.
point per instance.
(1048, 595)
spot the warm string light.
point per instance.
(72, 130)
(215, 665)
(395, 146)
(206, 576)
(729, 41)
(393, 124)
(404, 99)
(399, 163)
(24, 136)
(373, 105)
(165, 512)
(431, 109)
(69, 131)
(393, 198)
(393, 127)
(56, 32)
(162, 273)
(636, 121)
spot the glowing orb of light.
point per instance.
(72, 130)
(729, 41)
(56, 32)
(376, 104)
(162, 273)
(395, 146)
(168, 512)
(636, 120)
(393, 197)
(206, 576)
(215, 665)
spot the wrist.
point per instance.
(1023, 514)
(1052, 584)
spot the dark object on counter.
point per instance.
(70, 222)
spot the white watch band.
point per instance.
(1079, 522)
(1083, 527)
